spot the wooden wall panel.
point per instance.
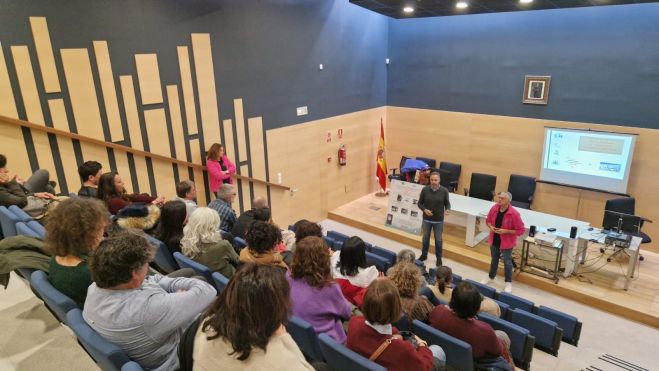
(203, 62)
(240, 129)
(228, 140)
(186, 86)
(198, 174)
(13, 146)
(503, 145)
(257, 154)
(33, 110)
(121, 160)
(176, 120)
(82, 92)
(65, 145)
(45, 54)
(7, 101)
(165, 181)
(156, 128)
(132, 117)
(245, 197)
(148, 76)
(108, 88)
(142, 174)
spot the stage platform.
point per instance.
(596, 283)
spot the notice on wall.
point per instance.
(402, 210)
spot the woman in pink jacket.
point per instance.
(219, 167)
(505, 225)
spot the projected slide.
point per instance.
(598, 155)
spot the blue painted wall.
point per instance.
(604, 63)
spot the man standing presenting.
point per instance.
(434, 202)
(505, 225)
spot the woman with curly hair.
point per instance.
(111, 190)
(262, 239)
(244, 327)
(74, 229)
(408, 280)
(316, 298)
(203, 242)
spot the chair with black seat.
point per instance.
(444, 178)
(454, 171)
(400, 175)
(481, 186)
(627, 205)
(522, 188)
(431, 162)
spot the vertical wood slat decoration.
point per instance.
(164, 174)
(157, 132)
(203, 62)
(257, 154)
(188, 92)
(32, 103)
(121, 161)
(45, 54)
(7, 101)
(198, 174)
(108, 89)
(133, 121)
(244, 185)
(240, 129)
(65, 145)
(176, 120)
(228, 140)
(148, 76)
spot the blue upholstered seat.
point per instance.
(305, 337)
(340, 358)
(58, 303)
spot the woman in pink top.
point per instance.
(505, 225)
(220, 168)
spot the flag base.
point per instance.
(381, 193)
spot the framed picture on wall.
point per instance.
(536, 89)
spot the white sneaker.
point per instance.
(487, 281)
(508, 288)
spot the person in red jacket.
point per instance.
(220, 168)
(505, 226)
(111, 191)
(366, 334)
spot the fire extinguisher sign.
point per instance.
(339, 133)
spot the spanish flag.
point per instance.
(381, 171)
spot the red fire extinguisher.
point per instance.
(342, 155)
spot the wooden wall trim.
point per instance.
(85, 139)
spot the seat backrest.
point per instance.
(444, 178)
(521, 340)
(337, 236)
(107, 355)
(384, 253)
(570, 324)
(482, 186)
(186, 345)
(485, 290)
(458, 352)
(220, 282)
(522, 188)
(547, 333)
(305, 337)
(239, 243)
(625, 205)
(453, 169)
(402, 162)
(131, 366)
(8, 222)
(163, 259)
(340, 358)
(185, 262)
(37, 228)
(57, 302)
(431, 162)
(403, 323)
(504, 308)
(22, 215)
(329, 241)
(380, 263)
(515, 301)
(23, 229)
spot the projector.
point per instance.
(620, 240)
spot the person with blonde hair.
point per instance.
(203, 242)
(407, 278)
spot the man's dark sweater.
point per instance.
(435, 201)
(244, 220)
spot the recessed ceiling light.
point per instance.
(408, 9)
(525, 1)
(461, 5)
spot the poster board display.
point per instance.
(402, 210)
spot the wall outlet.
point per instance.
(301, 111)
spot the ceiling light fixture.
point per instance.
(461, 5)
(408, 9)
(525, 1)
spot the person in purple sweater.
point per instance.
(316, 298)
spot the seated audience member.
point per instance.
(144, 316)
(305, 228)
(367, 334)
(316, 298)
(408, 280)
(246, 218)
(74, 230)
(203, 242)
(458, 321)
(244, 328)
(262, 239)
(408, 256)
(222, 205)
(186, 192)
(15, 191)
(350, 270)
(111, 191)
(443, 291)
(90, 174)
(169, 231)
